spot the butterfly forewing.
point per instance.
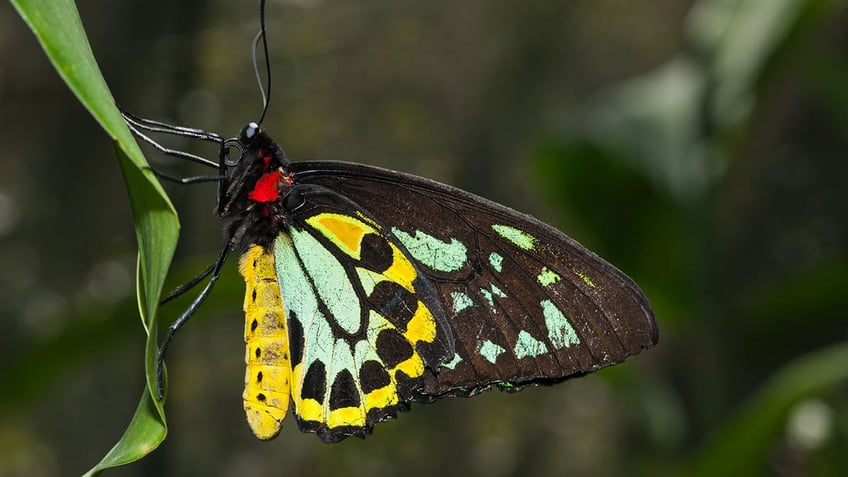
(398, 289)
(525, 303)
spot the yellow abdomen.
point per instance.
(267, 377)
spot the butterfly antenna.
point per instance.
(264, 90)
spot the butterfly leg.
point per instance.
(137, 125)
(186, 180)
(165, 128)
(233, 241)
(189, 284)
(215, 271)
(171, 152)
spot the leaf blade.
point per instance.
(58, 27)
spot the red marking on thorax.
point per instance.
(267, 188)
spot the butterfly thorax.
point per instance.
(258, 188)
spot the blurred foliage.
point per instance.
(700, 146)
(58, 28)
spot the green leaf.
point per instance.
(144, 434)
(57, 25)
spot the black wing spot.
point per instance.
(260, 397)
(295, 339)
(375, 253)
(259, 377)
(394, 302)
(344, 392)
(393, 348)
(253, 295)
(315, 382)
(373, 376)
(253, 325)
(258, 352)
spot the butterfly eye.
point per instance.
(248, 133)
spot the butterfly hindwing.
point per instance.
(364, 324)
(525, 303)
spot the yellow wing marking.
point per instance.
(307, 409)
(401, 271)
(346, 416)
(383, 397)
(422, 326)
(344, 231)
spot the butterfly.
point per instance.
(369, 289)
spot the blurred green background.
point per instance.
(698, 145)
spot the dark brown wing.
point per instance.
(526, 304)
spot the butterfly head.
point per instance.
(257, 151)
(249, 132)
(259, 177)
